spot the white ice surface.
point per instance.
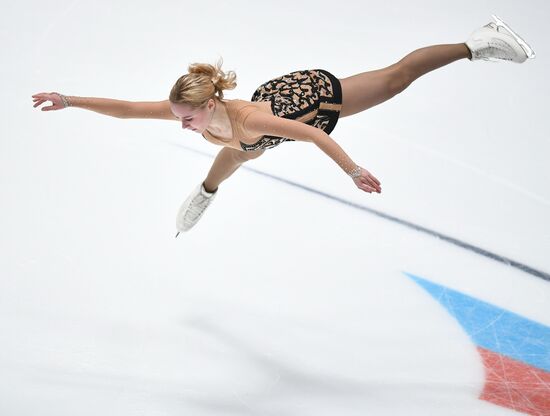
(279, 302)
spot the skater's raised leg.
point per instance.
(365, 90)
(494, 41)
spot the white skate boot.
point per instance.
(192, 209)
(497, 41)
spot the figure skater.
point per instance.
(303, 105)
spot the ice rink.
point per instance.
(296, 294)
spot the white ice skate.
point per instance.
(497, 41)
(192, 209)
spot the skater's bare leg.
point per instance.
(365, 90)
(226, 163)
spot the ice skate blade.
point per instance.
(528, 50)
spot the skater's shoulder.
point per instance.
(237, 105)
(239, 110)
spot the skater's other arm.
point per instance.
(107, 106)
(259, 123)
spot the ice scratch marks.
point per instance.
(515, 385)
(515, 350)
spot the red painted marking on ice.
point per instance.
(513, 384)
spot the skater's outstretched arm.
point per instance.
(107, 106)
(259, 123)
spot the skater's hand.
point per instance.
(54, 97)
(367, 182)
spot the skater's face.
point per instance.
(194, 119)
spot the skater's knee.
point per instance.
(400, 77)
(246, 156)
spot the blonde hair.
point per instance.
(203, 82)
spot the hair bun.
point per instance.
(203, 82)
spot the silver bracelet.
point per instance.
(64, 100)
(355, 173)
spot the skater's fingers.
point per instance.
(370, 183)
(374, 179)
(42, 96)
(370, 177)
(367, 181)
(39, 102)
(365, 188)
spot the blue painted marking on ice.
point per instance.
(494, 328)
